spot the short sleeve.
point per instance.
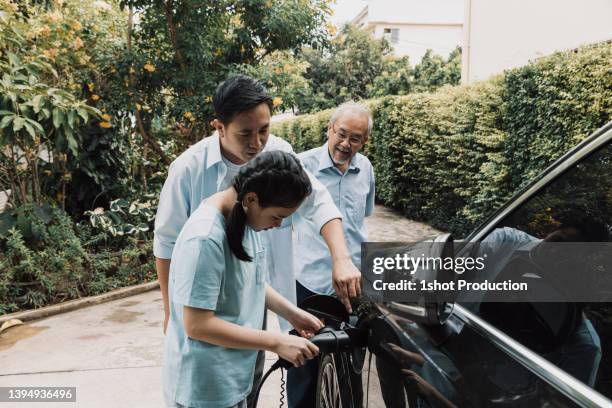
(319, 206)
(172, 212)
(198, 273)
(371, 194)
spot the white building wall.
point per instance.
(502, 34)
(415, 39)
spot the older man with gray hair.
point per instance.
(349, 178)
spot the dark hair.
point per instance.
(237, 94)
(278, 179)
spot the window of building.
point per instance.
(391, 35)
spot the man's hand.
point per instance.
(305, 323)
(346, 280)
(162, 266)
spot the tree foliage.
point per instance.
(358, 66)
(182, 49)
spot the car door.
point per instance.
(493, 354)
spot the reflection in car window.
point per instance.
(575, 207)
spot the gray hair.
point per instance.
(355, 107)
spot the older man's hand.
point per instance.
(346, 281)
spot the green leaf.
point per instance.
(36, 125)
(30, 129)
(72, 116)
(83, 113)
(18, 123)
(72, 142)
(58, 116)
(6, 121)
(36, 103)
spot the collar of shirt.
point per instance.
(214, 158)
(214, 153)
(326, 162)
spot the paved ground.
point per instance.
(112, 352)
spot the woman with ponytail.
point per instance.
(218, 288)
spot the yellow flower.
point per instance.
(132, 70)
(188, 115)
(76, 26)
(78, 43)
(13, 7)
(90, 86)
(208, 99)
(95, 97)
(54, 17)
(331, 29)
(149, 67)
(218, 52)
(106, 117)
(269, 4)
(277, 101)
(52, 53)
(105, 125)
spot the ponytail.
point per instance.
(234, 230)
(278, 179)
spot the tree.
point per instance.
(396, 79)
(434, 71)
(345, 70)
(182, 49)
(40, 121)
(283, 75)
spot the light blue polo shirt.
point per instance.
(200, 172)
(205, 274)
(353, 193)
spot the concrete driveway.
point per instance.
(112, 352)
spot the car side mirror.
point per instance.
(431, 308)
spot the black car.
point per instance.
(482, 353)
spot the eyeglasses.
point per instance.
(352, 139)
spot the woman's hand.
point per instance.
(295, 349)
(305, 323)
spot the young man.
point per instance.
(243, 110)
(349, 177)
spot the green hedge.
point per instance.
(450, 158)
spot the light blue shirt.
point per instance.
(353, 193)
(198, 173)
(205, 274)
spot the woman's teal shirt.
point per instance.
(205, 274)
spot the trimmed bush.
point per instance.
(450, 158)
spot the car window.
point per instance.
(576, 209)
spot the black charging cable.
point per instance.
(280, 363)
(327, 340)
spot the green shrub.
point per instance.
(450, 158)
(45, 260)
